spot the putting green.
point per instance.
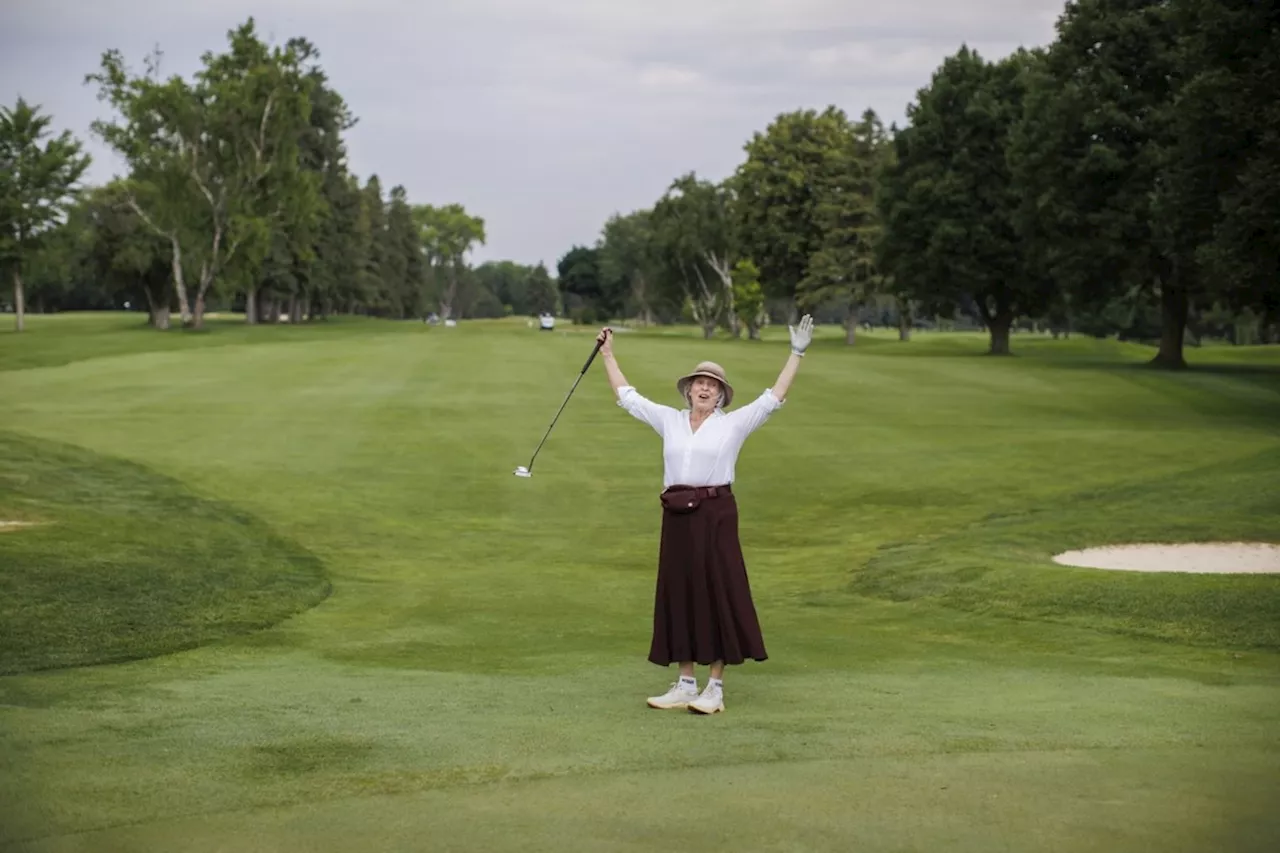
(476, 679)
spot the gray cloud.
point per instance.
(542, 116)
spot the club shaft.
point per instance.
(580, 374)
(556, 418)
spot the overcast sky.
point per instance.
(542, 116)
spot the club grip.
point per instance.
(591, 357)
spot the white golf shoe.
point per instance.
(679, 696)
(710, 702)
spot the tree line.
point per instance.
(1121, 180)
(237, 192)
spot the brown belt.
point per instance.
(703, 492)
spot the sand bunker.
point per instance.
(1201, 558)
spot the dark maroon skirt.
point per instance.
(702, 609)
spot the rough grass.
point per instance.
(476, 679)
(121, 563)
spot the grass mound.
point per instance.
(127, 564)
(1002, 565)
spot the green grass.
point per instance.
(120, 563)
(475, 680)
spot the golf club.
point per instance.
(522, 471)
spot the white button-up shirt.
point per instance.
(706, 457)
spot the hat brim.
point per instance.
(682, 385)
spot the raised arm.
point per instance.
(801, 337)
(632, 401)
(611, 369)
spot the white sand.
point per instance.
(1206, 557)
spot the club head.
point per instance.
(523, 472)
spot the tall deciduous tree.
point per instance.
(748, 296)
(37, 182)
(121, 253)
(694, 234)
(1109, 207)
(544, 294)
(1228, 115)
(949, 202)
(578, 273)
(448, 232)
(843, 269)
(629, 264)
(787, 194)
(214, 161)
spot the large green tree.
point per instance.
(544, 293)
(630, 264)
(578, 272)
(122, 254)
(748, 296)
(373, 222)
(1227, 121)
(843, 268)
(404, 266)
(38, 179)
(696, 245)
(787, 192)
(214, 161)
(949, 202)
(448, 232)
(1111, 207)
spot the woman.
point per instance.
(703, 612)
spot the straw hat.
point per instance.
(711, 370)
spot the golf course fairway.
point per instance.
(278, 590)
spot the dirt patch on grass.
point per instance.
(1197, 558)
(16, 525)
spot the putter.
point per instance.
(523, 471)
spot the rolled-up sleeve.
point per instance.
(753, 415)
(642, 408)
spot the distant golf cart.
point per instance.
(546, 322)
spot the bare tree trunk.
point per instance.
(206, 279)
(158, 310)
(197, 317)
(851, 328)
(904, 320)
(999, 326)
(448, 295)
(295, 309)
(1173, 310)
(251, 306)
(725, 274)
(179, 283)
(19, 303)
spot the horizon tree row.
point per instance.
(1122, 180)
(237, 191)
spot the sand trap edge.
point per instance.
(1246, 558)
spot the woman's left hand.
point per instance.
(801, 335)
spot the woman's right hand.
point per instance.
(605, 339)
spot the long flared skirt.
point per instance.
(703, 611)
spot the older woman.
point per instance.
(703, 612)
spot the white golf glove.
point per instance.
(801, 335)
